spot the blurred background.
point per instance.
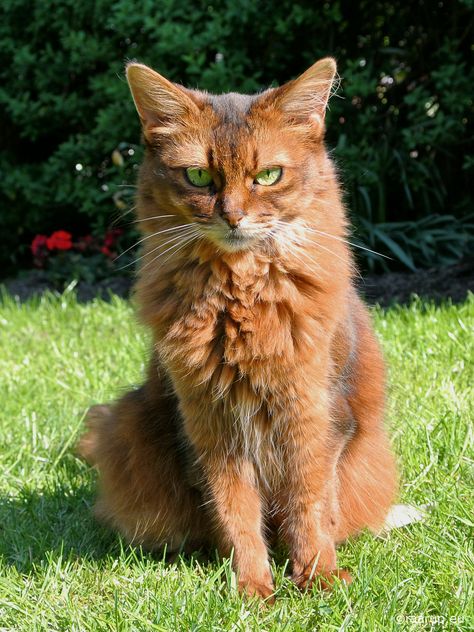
(400, 128)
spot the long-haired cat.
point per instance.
(262, 411)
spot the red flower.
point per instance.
(37, 244)
(59, 240)
(106, 251)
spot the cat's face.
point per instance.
(238, 167)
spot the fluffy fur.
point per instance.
(262, 412)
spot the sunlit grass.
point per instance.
(60, 570)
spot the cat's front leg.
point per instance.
(238, 516)
(309, 502)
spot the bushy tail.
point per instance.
(367, 484)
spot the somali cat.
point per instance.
(262, 412)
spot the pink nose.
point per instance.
(233, 217)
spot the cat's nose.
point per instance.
(233, 217)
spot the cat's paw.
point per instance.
(323, 580)
(253, 588)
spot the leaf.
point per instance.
(365, 195)
(403, 256)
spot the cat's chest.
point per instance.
(254, 328)
(234, 322)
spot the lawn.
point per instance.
(60, 570)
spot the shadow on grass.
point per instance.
(39, 526)
(36, 524)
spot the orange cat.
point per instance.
(262, 413)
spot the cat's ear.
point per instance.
(305, 98)
(161, 105)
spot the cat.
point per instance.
(262, 412)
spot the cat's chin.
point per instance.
(236, 244)
(234, 241)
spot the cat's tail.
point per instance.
(96, 417)
(367, 483)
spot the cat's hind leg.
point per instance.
(142, 473)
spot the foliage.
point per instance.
(69, 134)
(87, 258)
(441, 239)
(60, 570)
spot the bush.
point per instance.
(64, 257)
(69, 132)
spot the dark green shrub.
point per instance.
(439, 239)
(69, 133)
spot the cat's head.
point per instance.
(237, 167)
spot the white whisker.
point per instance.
(346, 241)
(175, 238)
(148, 219)
(331, 252)
(294, 245)
(149, 237)
(121, 216)
(196, 237)
(175, 247)
(293, 232)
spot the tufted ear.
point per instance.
(161, 105)
(305, 98)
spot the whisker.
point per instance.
(147, 219)
(346, 241)
(312, 259)
(177, 246)
(175, 238)
(149, 237)
(317, 244)
(331, 252)
(120, 216)
(302, 252)
(293, 246)
(195, 236)
(305, 239)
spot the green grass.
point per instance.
(60, 570)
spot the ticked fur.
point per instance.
(263, 407)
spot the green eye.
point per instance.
(198, 177)
(268, 176)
